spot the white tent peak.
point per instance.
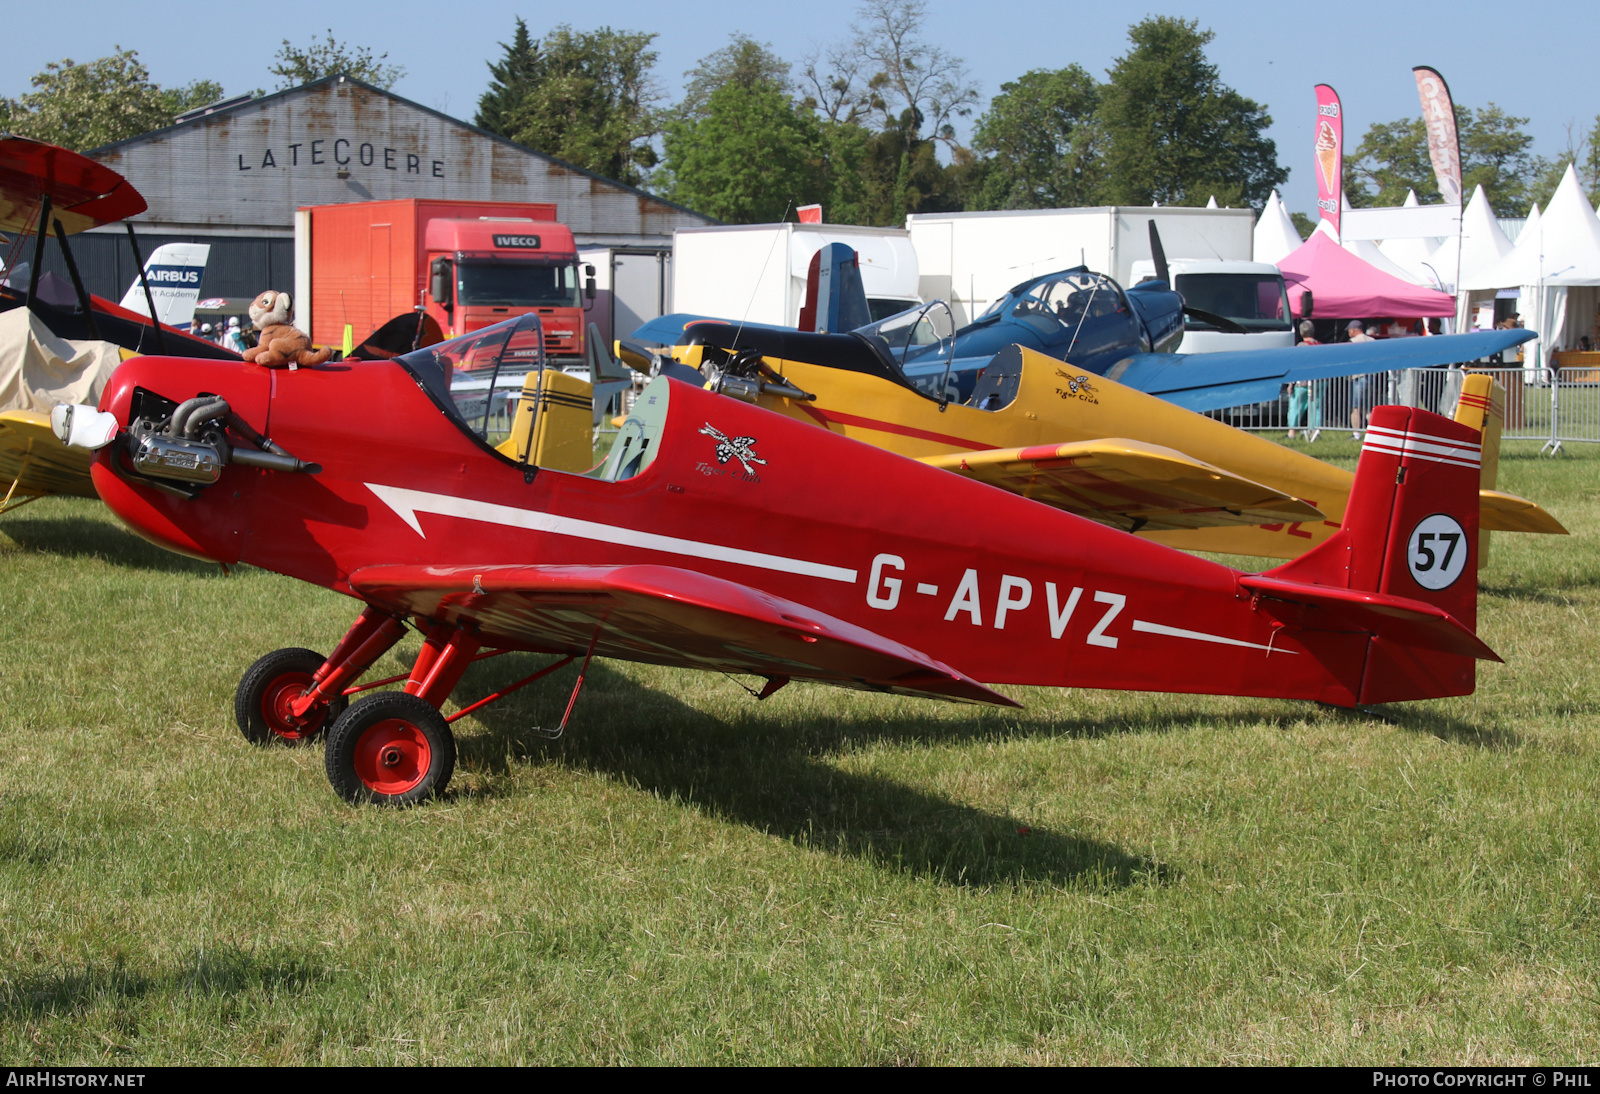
(1411, 199)
(1212, 203)
(1275, 233)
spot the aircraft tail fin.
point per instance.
(174, 271)
(1482, 406)
(1404, 566)
(836, 301)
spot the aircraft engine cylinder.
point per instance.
(169, 458)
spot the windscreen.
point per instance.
(477, 379)
(1255, 301)
(517, 283)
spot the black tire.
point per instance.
(259, 706)
(390, 749)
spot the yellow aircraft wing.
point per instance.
(1128, 484)
(33, 462)
(1502, 512)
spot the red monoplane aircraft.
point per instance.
(721, 536)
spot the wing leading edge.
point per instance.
(667, 616)
(1215, 381)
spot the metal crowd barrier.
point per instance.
(1538, 408)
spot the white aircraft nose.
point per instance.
(83, 426)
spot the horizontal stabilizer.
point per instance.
(1502, 512)
(1324, 607)
(667, 616)
(1130, 484)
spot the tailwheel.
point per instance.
(261, 706)
(392, 748)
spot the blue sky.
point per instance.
(1536, 60)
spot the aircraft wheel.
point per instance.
(261, 705)
(392, 749)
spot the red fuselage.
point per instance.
(999, 587)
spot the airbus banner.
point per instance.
(1330, 155)
(1439, 114)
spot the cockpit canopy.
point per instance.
(478, 377)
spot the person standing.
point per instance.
(234, 338)
(1358, 385)
(1304, 399)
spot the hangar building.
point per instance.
(232, 175)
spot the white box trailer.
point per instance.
(971, 259)
(633, 285)
(757, 272)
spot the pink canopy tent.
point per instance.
(1346, 287)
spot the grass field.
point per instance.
(692, 877)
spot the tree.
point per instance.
(1496, 153)
(913, 91)
(588, 101)
(1043, 141)
(513, 76)
(748, 156)
(89, 105)
(329, 57)
(1174, 133)
(744, 62)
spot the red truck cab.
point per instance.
(468, 264)
(489, 269)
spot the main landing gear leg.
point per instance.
(291, 695)
(395, 748)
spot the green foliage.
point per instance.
(1174, 133)
(89, 105)
(513, 75)
(329, 57)
(743, 62)
(1496, 153)
(584, 97)
(1303, 224)
(746, 154)
(1043, 143)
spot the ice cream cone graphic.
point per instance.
(1328, 155)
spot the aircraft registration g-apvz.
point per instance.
(717, 535)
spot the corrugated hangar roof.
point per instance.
(246, 166)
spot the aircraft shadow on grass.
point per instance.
(765, 772)
(217, 970)
(80, 537)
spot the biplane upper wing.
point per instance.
(1129, 484)
(667, 616)
(83, 193)
(1215, 381)
(33, 460)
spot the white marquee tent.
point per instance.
(1555, 265)
(1483, 245)
(1275, 234)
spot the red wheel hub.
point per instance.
(392, 756)
(277, 709)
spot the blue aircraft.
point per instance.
(1078, 316)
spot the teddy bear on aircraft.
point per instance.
(280, 344)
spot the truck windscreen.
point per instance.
(517, 283)
(1254, 301)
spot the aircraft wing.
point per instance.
(667, 330)
(667, 616)
(1129, 484)
(1502, 512)
(35, 460)
(1213, 381)
(83, 192)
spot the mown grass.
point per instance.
(689, 876)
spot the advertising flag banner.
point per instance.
(1439, 113)
(1330, 155)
